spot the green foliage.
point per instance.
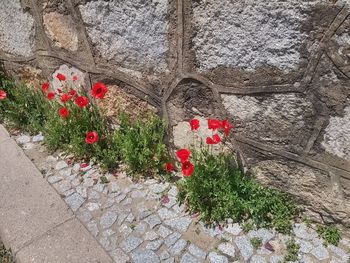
(248, 225)
(25, 108)
(5, 255)
(256, 242)
(330, 234)
(218, 190)
(292, 251)
(142, 145)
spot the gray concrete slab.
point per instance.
(69, 242)
(29, 206)
(4, 135)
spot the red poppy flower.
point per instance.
(227, 126)
(65, 97)
(82, 101)
(61, 77)
(73, 92)
(194, 124)
(50, 95)
(83, 165)
(59, 90)
(215, 140)
(169, 167)
(45, 86)
(75, 78)
(91, 137)
(64, 113)
(3, 94)
(214, 124)
(99, 90)
(183, 154)
(187, 169)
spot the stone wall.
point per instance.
(280, 70)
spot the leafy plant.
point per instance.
(248, 225)
(330, 234)
(5, 255)
(256, 242)
(292, 251)
(142, 145)
(25, 107)
(216, 188)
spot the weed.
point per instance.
(329, 233)
(142, 145)
(248, 225)
(292, 251)
(5, 254)
(256, 242)
(218, 190)
(104, 180)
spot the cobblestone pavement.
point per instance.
(142, 222)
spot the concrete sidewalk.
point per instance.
(34, 221)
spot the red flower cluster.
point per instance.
(187, 167)
(3, 94)
(98, 91)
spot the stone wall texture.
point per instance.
(278, 69)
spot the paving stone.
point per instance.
(181, 224)
(263, 251)
(51, 160)
(126, 201)
(151, 235)
(104, 241)
(54, 179)
(74, 201)
(88, 182)
(262, 233)
(234, 229)
(92, 227)
(169, 260)
(121, 217)
(84, 216)
(125, 230)
(211, 231)
(338, 252)
(119, 256)
(150, 182)
(159, 188)
(93, 195)
(276, 259)
(140, 229)
(38, 138)
(23, 139)
(196, 251)
(76, 167)
(92, 206)
(130, 243)
(113, 244)
(82, 191)
(164, 255)
(153, 221)
(66, 172)
(164, 231)
(165, 213)
(172, 203)
(257, 259)
(28, 146)
(320, 252)
(173, 191)
(126, 190)
(177, 208)
(227, 249)
(155, 245)
(108, 219)
(303, 232)
(177, 248)
(76, 182)
(171, 239)
(62, 186)
(143, 213)
(68, 192)
(137, 194)
(305, 246)
(144, 256)
(188, 258)
(120, 198)
(306, 259)
(61, 165)
(244, 246)
(114, 187)
(216, 258)
(130, 218)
